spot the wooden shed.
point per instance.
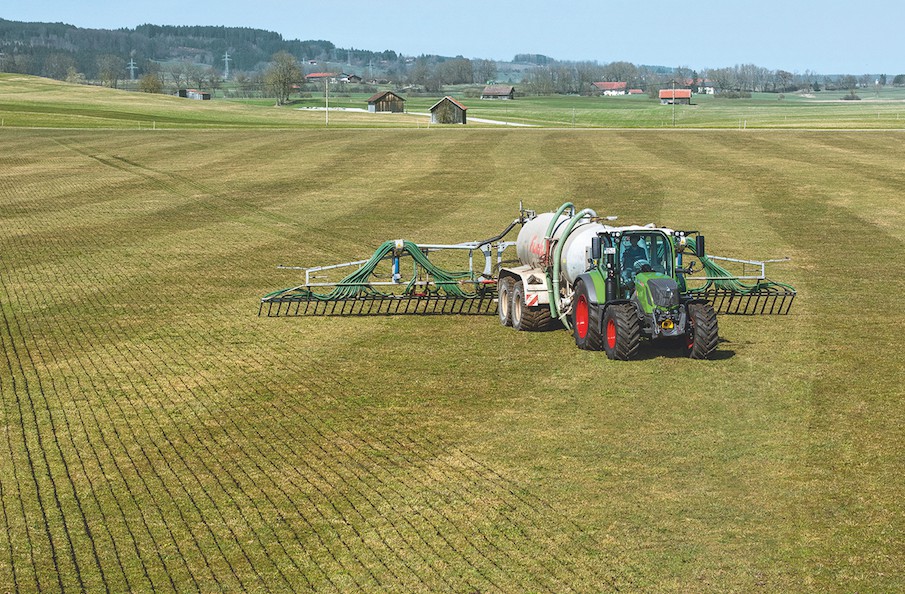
(498, 92)
(386, 101)
(448, 111)
(675, 96)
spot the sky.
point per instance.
(820, 36)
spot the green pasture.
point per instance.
(35, 102)
(157, 435)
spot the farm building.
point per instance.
(635, 92)
(193, 94)
(386, 101)
(448, 111)
(498, 92)
(675, 96)
(610, 88)
(320, 76)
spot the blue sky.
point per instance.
(823, 36)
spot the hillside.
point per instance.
(50, 49)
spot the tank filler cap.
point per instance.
(400, 243)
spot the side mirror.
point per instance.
(595, 248)
(699, 247)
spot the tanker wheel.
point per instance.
(504, 300)
(586, 320)
(621, 331)
(702, 332)
(524, 317)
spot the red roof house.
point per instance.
(611, 88)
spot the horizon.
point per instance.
(811, 37)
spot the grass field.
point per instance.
(33, 102)
(159, 436)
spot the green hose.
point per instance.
(557, 257)
(358, 283)
(554, 307)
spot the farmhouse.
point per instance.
(706, 87)
(610, 88)
(498, 92)
(675, 96)
(448, 111)
(386, 101)
(635, 92)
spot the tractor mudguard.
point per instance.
(595, 284)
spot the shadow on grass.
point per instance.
(672, 349)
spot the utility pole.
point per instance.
(673, 102)
(226, 61)
(327, 101)
(132, 68)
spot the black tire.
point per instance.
(621, 331)
(702, 332)
(504, 300)
(524, 318)
(586, 320)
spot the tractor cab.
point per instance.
(643, 251)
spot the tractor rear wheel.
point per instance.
(621, 331)
(504, 300)
(586, 320)
(702, 332)
(527, 318)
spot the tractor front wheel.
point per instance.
(702, 332)
(621, 331)
(586, 320)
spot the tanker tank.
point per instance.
(531, 244)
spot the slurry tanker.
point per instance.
(612, 286)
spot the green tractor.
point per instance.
(636, 288)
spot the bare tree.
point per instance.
(620, 72)
(484, 71)
(150, 83)
(176, 70)
(585, 73)
(456, 71)
(110, 69)
(284, 71)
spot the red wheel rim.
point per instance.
(611, 333)
(581, 317)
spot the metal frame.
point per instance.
(757, 263)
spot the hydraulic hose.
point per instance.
(557, 257)
(554, 306)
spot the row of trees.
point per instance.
(576, 78)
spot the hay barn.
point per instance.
(386, 101)
(448, 111)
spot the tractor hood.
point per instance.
(656, 291)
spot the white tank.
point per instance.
(531, 246)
